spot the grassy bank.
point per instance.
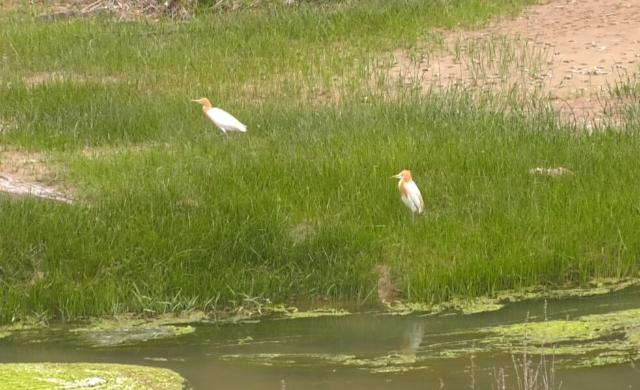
(172, 215)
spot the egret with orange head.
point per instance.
(221, 118)
(410, 193)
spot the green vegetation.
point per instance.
(87, 375)
(171, 215)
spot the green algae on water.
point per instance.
(586, 341)
(128, 330)
(498, 301)
(594, 287)
(290, 312)
(406, 308)
(133, 335)
(478, 305)
(20, 326)
(552, 332)
(464, 306)
(392, 362)
(87, 375)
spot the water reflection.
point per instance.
(413, 337)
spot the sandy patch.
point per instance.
(6, 125)
(39, 78)
(302, 231)
(33, 174)
(18, 187)
(24, 166)
(97, 152)
(553, 172)
(569, 51)
(28, 174)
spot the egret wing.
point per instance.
(224, 120)
(415, 197)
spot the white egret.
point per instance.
(410, 193)
(221, 118)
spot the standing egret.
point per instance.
(410, 193)
(221, 118)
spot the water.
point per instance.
(365, 351)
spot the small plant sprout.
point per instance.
(221, 118)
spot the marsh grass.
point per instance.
(500, 72)
(301, 206)
(621, 103)
(529, 373)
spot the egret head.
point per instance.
(404, 175)
(203, 101)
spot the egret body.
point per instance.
(222, 119)
(410, 193)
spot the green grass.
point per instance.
(172, 215)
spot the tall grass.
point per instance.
(244, 57)
(172, 215)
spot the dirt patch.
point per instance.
(386, 291)
(92, 152)
(120, 9)
(553, 172)
(28, 174)
(6, 125)
(24, 166)
(302, 232)
(569, 51)
(39, 78)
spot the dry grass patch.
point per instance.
(39, 78)
(28, 173)
(120, 9)
(313, 92)
(486, 63)
(25, 166)
(93, 152)
(6, 125)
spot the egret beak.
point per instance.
(195, 100)
(398, 176)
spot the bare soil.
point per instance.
(571, 51)
(29, 174)
(39, 78)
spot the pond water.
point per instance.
(382, 351)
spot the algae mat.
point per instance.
(87, 375)
(501, 298)
(586, 341)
